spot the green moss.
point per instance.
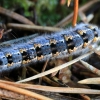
(49, 12)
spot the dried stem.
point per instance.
(9, 95)
(75, 12)
(68, 18)
(1, 33)
(23, 91)
(33, 27)
(85, 97)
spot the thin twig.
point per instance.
(1, 33)
(46, 79)
(43, 69)
(33, 27)
(9, 30)
(59, 81)
(15, 16)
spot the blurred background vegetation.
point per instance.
(41, 12)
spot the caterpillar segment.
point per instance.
(28, 53)
(30, 49)
(58, 45)
(84, 37)
(42, 48)
(95, 30)
(70, 43)
(25, 56)
(53, 47)
(39, 53)
(10, 59)
(87, 34)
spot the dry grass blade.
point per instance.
(90, 67)
(97, 52)
(54, 89)
(85, 97)
(23, 91)
(8, 31)
(15, 16)
(56, 68)
(83, 17)
(65, 90)
(68, 3)
(90, 81)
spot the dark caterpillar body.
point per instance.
(24, 51)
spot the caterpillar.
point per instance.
(28, 50)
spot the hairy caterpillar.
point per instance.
(27, 50)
